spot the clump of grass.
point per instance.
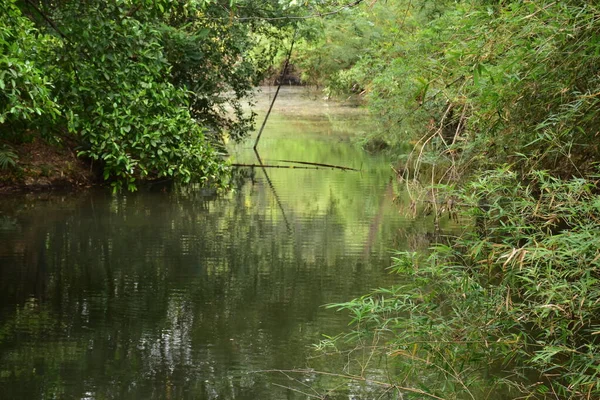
(512, 304)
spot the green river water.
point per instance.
(181, 294)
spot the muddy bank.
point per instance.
(292, 77)
(41, 166)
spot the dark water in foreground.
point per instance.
(160, 295)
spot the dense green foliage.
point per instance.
(148, 89)
(516, 294)
(501, 101)
(24, 90)
(509, 78)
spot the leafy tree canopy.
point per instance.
(147, 88)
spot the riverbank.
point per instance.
(41, 166)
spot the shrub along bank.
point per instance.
(141, 89)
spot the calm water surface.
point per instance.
(185, 295)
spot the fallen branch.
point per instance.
(291, 166)
(318, 164)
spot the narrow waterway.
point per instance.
(185, 295)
